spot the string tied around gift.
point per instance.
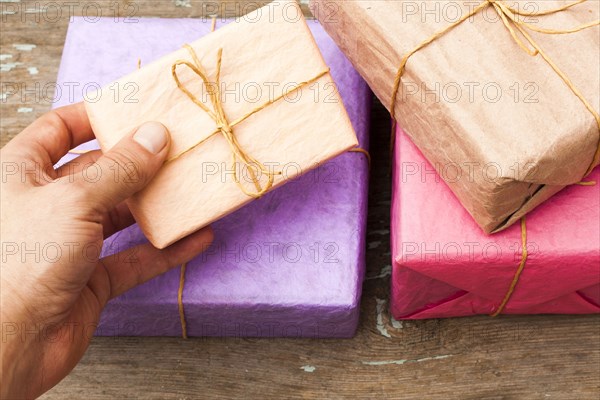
(513, 20)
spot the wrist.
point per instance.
(16, 361)
(13, 359)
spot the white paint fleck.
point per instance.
(9, 66)
(308, 368)
(25, 110)
(402, 362)
(33, 71)
(24, 47)
(380, 232)
(10, 1)
(8, 12)
(380, 325)
(3, 96)
(385, 271)
(5, 56)
(396, 324)
(182, 3)
(374, 245)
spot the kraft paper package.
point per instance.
(474, 100)
(242, 104)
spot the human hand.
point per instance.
(53, 223)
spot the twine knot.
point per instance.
(218, 115)
(255, 168)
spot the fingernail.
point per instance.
(152, 136)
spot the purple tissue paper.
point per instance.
(288, 265)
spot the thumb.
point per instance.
(128, 167)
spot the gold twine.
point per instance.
(586, 183)
(515, 280)
(184, 265)
(511, 18)
(225, 127)
(362, 151)
(180, 301)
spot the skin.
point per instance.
(52, 295)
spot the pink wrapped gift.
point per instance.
(445, 266)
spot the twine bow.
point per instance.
(225, 127)
(512, 19)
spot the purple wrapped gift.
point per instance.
(290, 264)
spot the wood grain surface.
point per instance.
(519, 357)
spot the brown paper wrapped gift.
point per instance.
(501, 126)
(278, 114)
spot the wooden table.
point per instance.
(531, 357)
